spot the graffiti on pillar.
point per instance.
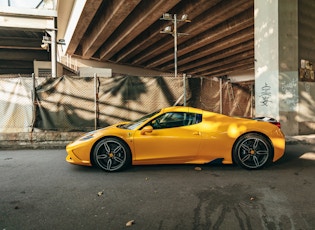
(308, 87)
(289, 91)
(265, 95)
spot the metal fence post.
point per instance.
(95, 100)
(33, 102)
(221, 105)
(184, 85)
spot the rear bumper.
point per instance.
(279, 146)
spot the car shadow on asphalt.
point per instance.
(213, 166)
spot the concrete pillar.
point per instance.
(276, 62)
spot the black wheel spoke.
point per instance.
(109, 164)
(256, 143)
(116, 150)
(119, 160)
(102, 156)
(107, 148)
(262, 152)
(247, 156)
(256, 161)
(245, 147)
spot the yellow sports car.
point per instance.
(180, 135)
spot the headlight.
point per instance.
(87, 136)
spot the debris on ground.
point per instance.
(100, 193)
(130, 222)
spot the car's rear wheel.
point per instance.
(253, 151)
(111, 154)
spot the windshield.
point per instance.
(133, 124)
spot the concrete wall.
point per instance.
(306, 44)
(306, 115)
(284, 34)
(288, 65)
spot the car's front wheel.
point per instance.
(252, 151)
(111, 154)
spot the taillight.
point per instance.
(277, 124)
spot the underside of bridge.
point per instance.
(218, 41)
(220, 36)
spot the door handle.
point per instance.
(196, 133)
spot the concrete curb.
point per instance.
(301, 139)
(37, 140)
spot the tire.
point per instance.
(252, 151)
(111, 154)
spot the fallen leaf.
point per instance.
(130, 222)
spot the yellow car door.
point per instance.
(170, 139)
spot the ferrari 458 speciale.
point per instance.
(180, 135)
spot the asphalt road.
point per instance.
(39, 190)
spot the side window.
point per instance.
(192, 118)
(175, 119)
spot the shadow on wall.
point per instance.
(306, 113)
(83, 104)
(78, 104)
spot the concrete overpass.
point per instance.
(220, 40)
(220, 36)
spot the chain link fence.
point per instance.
(233, 99)
(72, 103)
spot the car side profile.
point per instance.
(180, 135)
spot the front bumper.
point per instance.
(78, 154)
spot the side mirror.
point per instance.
(146, 129)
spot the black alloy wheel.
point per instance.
(253, 151)
(111, 154)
